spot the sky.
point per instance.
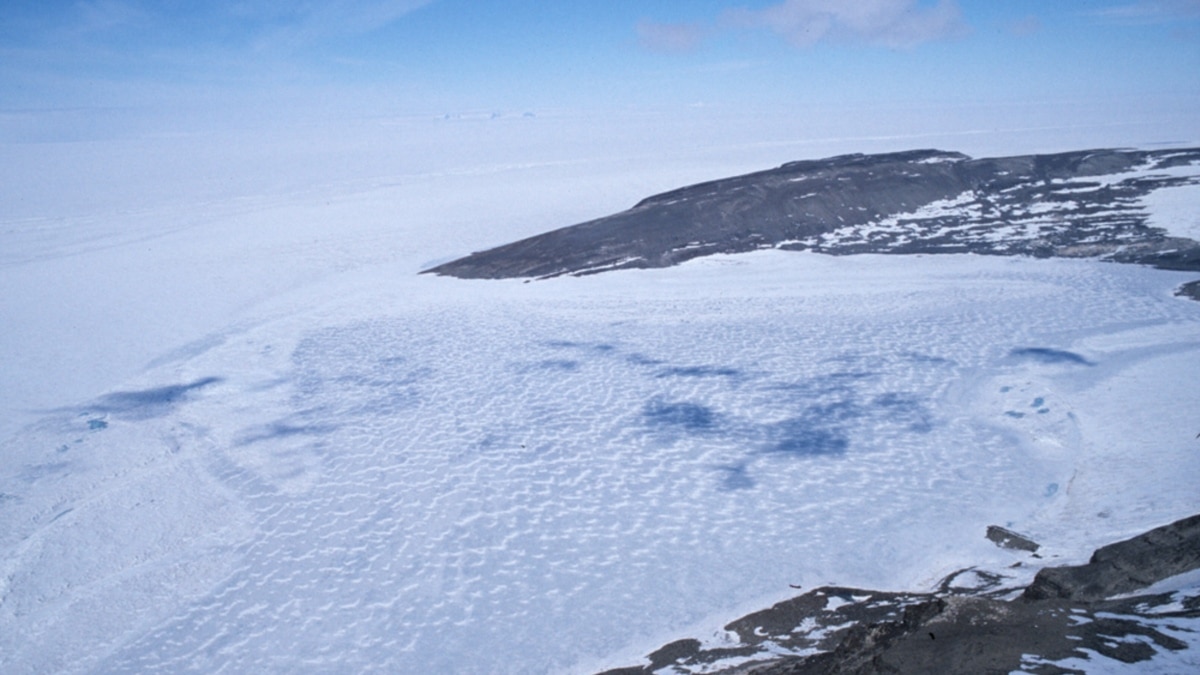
(186, 61)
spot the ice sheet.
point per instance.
(405, 473)
(245, 435)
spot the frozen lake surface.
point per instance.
(305, 457)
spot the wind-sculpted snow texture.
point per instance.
(292, 453)
(554, 477)
(1076, 204)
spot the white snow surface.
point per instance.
(245, 436)
(1174, 208)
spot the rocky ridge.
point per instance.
(1076, 204)
(1067, 618)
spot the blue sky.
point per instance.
(434, 56)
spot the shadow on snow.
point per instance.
(1046, 355)
(149, 403)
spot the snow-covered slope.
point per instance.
(340, 465)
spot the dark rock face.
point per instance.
(966, 626)
(1189, 290)
(981, 635)
(1076, 204)
(1005, 538)
(1124, 566)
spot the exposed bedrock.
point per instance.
(1074, 204)
(1125, 566)
(966, 626)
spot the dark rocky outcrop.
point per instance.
(1005, 538)
(1074, 204)
(963, 627)
(1189, 290)
(1125, 566)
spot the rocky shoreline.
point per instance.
(1067, 618)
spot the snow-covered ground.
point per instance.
(242, 434)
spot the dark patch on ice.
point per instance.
(277, 430)
(821, 417)
(598, 347)
(643, 360)
(355, 370)
(1051, 490)
(820, 429)
(1037, 402)
(699, 371)
(832, 406)
(801, 436)
(905, 408)
(918, 357)
(1014, 414)
(1047, 355)
(149, 403)
(34, 472)
(830, 384)
(736, 477)
(679, 415)
(97, 425)
(562, 365)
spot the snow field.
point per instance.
(242, 435)
(529, 477)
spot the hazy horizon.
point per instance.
(121, 68)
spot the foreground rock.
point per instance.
(1125, 566)
(1075, 204)
(1069, 616)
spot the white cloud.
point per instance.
(887, 23)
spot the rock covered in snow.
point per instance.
(1069, 618)
(1083, 204)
